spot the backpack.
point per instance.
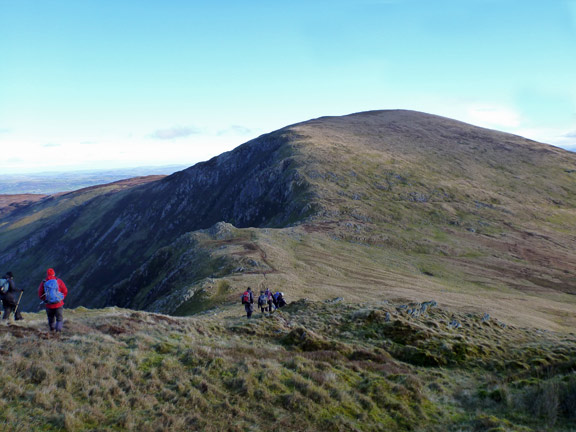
(4, 286)
(262, 299)
(246, 297)
(51, 291)
(280, 300)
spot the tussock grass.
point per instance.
(310, 367)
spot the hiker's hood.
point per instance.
(50, 274)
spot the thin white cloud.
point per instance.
(506, 118)
(566, 141)
(567, 144)
(49, 145)
(494, 116)
(235, 130)
(174, 132)
(557, 137)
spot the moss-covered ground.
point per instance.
(311, 366)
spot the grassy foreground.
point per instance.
(314, 366)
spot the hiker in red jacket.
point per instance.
(248, 302)
(53, 291)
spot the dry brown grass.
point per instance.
(312, 366)
(313, 265)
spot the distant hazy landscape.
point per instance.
(53, 182)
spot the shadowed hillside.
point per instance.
(394, 203)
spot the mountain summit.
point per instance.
(366, 206)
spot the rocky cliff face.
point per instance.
(105, 238)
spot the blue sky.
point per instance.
(108, 83)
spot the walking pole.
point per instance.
(18, 304)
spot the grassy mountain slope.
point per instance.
(362, 206)
(313, 366)
(439, 186)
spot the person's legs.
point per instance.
(59, 319)
(8, 308)
(51, 313)
(249, 308)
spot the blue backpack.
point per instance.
(4, 286)
(53, 295)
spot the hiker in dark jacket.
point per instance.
(11, 298)
(248, 302)
(279, 300)
(263, 302)
(269, 300)
(53, 291)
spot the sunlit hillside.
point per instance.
(311, 366)
(365, 206)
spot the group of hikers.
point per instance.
(267, 302)
(52, 291)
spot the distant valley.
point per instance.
(54, 182)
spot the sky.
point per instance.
(110, 84)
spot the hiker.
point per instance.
(279, 300)
(275, 299)
(263, 302)
(269, 300)
(10, 296)
(248, 302)
(53, 292)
